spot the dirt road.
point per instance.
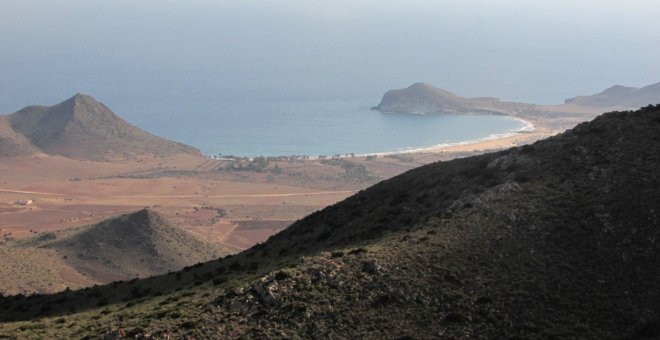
(315, 193)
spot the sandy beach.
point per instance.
(504, 142)
(551, 121)
(535, 128)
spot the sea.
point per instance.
(277, 78)
(315, 126)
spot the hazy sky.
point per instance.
(542, 51)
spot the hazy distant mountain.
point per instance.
(80, 128)
(620, 97)
(423, 98)
(558, 239)
(140, 244)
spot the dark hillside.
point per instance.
(558, 239)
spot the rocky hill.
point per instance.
(620, 97)
(558, 239)
(139, 244)
(80, 128)
(423, 98)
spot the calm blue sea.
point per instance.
(298, 77)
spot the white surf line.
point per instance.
(320, 193)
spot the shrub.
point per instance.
(188, 324)
(357, 251)
(281, 275)
(336, 254)
(219, 280)
(324, 235)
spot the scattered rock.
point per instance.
(265, 291)
(371, 267)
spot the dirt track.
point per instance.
(316, 193)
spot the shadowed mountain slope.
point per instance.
(558, 239)
(83, 128)
(620, 97)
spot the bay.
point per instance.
(313, 128)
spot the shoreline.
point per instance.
(529, 132)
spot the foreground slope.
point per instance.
(554, 239)
(82, 128)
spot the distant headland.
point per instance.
(426, 99)
(423, 98)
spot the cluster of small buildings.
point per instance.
(24, 202)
